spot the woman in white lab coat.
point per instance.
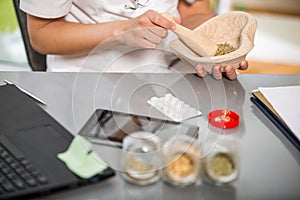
(94, 35)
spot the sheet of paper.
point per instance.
(80, 160)
(286, 102)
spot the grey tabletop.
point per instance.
(269, 164)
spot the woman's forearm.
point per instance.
(56, 36)
(192, 15)
(197, 19)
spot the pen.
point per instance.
(26, 92)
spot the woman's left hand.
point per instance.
(230, 72)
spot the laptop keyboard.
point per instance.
(16, 172)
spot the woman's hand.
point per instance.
(230, 73)
(145, 31)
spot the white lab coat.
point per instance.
(117, 59)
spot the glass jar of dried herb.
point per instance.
(220, 164)
(141, 158)
(181, 160)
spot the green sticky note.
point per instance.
(80, 160)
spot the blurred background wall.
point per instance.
(12, 51)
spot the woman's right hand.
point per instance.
(145, 31)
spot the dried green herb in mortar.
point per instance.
(224, 49)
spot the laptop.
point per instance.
(30, 140)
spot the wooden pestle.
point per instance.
(194, 41)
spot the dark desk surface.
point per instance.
(270, 165)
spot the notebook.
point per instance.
(265, 106)
(30, 140)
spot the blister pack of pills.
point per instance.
(174, 108)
